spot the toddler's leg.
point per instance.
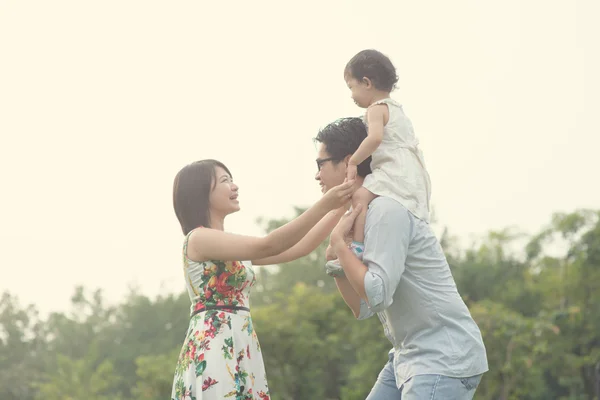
(361, 196)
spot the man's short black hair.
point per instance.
(342, 138)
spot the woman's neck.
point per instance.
(217, 222)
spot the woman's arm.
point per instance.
(212, 244)
(309, 243)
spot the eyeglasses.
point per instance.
(321, 161)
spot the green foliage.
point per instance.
(85, 378)
(535, 299)
(154, 376)
(314, 348)
(22, 340)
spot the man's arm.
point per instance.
(354, 270)
(348, 294)
(359, 307)
(387, 237)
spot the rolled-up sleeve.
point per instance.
(388, 231)
(365, 312)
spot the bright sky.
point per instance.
(101, 103)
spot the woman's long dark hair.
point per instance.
(191, 193)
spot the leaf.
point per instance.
(200, 368)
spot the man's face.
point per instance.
(331, 172)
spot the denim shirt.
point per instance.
(411, 289)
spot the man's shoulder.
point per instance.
(385, 208)
(386, 203)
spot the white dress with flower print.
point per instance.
(221, 357)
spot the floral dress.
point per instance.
(221, 357)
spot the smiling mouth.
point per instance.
(233, 197)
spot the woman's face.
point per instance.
(223, 197)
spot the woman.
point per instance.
(221, 357)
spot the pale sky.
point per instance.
(101, 103)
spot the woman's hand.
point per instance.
(339, 195)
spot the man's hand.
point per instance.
(342, 233)
(329, 253)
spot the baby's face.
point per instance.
(359, 91)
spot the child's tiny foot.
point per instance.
(333, 268)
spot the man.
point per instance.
(404, 278)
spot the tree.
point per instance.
(84, 378)
(536, 302)
(22, 344)
(155, 376)
(314, 348)
(572, 298)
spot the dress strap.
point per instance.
(185, 242)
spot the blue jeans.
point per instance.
(422, 387)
